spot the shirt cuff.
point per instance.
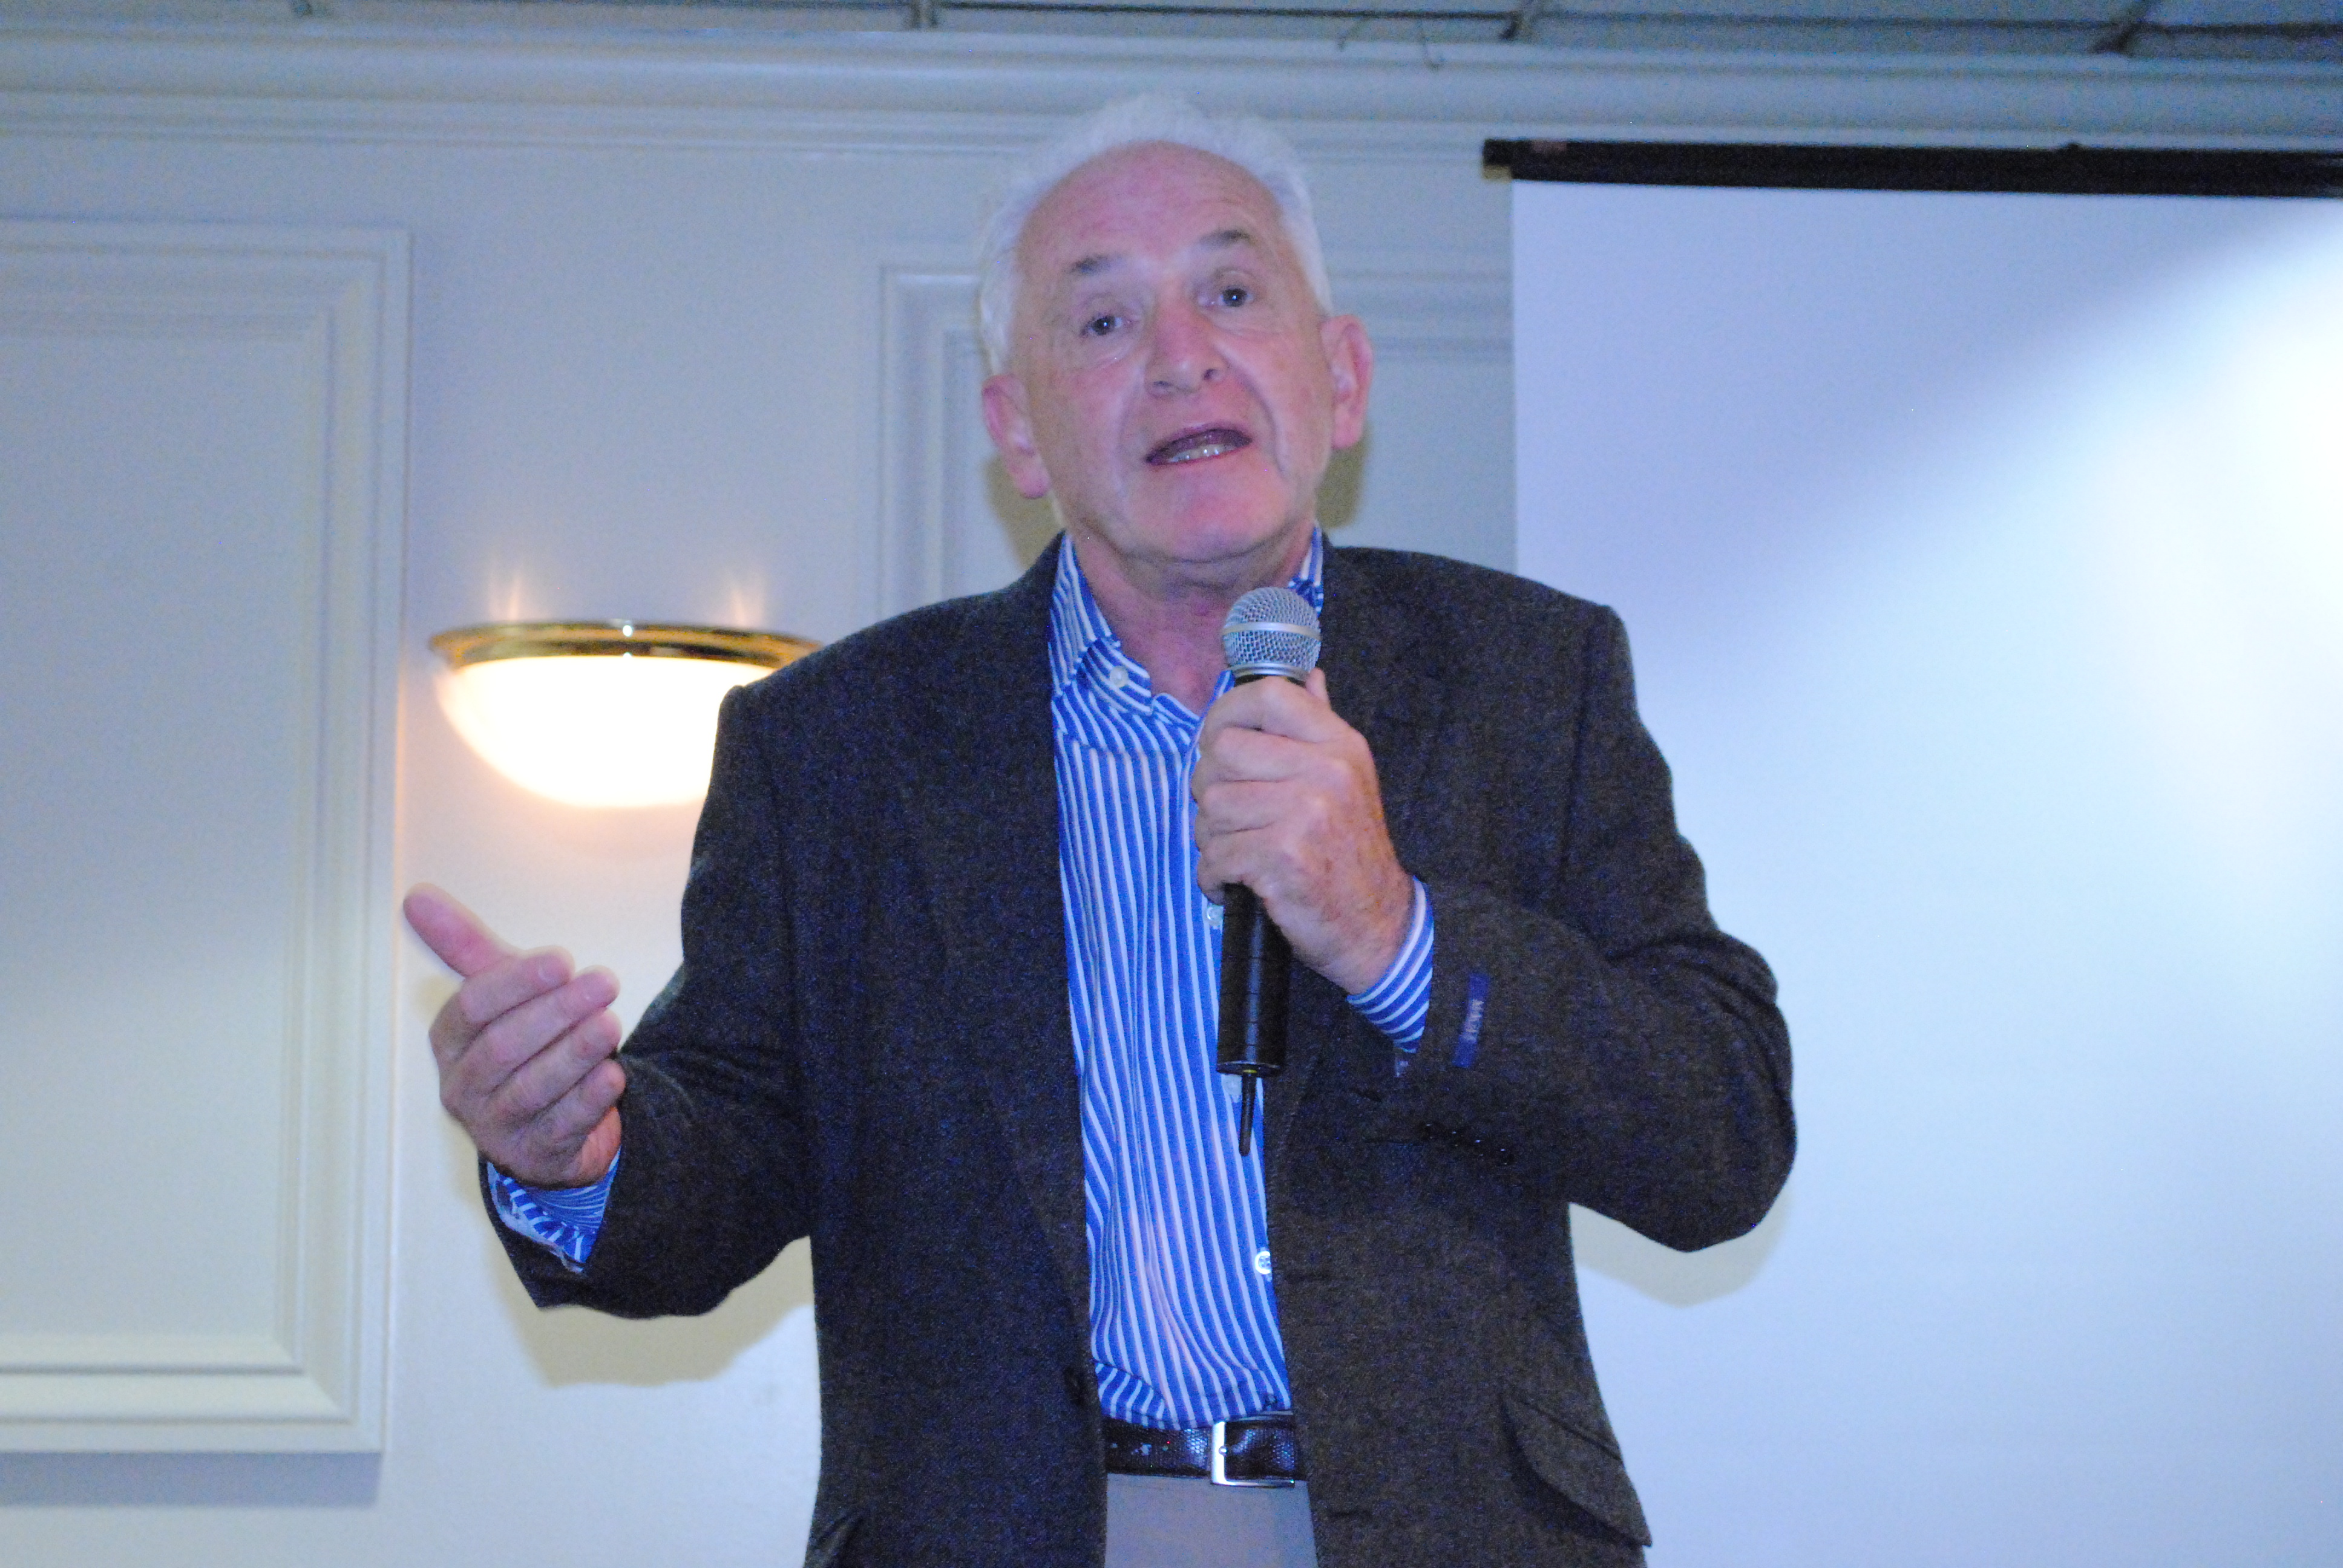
(566, 1218)
(1398, 1003)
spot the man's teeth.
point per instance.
(1201, 444)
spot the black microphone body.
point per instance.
(1269, 632)
(1256, 974)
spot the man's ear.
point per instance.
(1351, 361)
(1011, 423)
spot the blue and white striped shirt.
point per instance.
(1183, 1309)
(1183, 1306)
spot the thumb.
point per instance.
(452, 931)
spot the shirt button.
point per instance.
(1211, 913)
(1117, 677)
(1261, 1262)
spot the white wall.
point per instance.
(714, 369)
(685, 344)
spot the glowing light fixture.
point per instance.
(600, 713)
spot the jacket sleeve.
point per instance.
(1588, 1018)
(712, 1185)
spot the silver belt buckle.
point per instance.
(1220, 1460)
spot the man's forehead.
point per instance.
(1155, 194)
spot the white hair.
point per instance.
(1242, 139)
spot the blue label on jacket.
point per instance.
(1476, 1003)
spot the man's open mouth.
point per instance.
(1197, 445)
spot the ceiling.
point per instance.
(2265, 30)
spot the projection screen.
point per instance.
(1983, 559)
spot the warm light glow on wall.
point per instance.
(610, 713)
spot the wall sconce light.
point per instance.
(600, 713)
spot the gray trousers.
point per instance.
(1167, 1522)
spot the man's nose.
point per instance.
(1184, 354)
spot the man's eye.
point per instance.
(1100, 325)
(1235, 294)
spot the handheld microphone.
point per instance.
(1270, 631)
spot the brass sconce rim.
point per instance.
(469, 645)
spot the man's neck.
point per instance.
(1169, 619)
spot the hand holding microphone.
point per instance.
(1289, 824)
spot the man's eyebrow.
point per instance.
(1227, 238)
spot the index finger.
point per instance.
(450, 930)
(1277, 707)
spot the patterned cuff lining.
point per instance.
(1398, 1003)
(566, 1218)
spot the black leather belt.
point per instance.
(1250, 1450)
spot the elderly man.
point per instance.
(951, 957)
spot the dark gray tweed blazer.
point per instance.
(869, 1043)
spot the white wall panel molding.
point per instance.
(1435, 471)
(949, 522)
(945, 529)
(927, 322)
(204, 429)
(1430, 307)
(971, 93)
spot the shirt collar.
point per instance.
(1079, 636)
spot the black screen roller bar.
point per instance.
(2071, 170)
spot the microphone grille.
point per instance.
(1270, 631)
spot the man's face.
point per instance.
(1171, 383)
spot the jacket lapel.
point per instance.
(1375, 680)
(987, 806)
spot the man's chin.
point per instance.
(1210, 547)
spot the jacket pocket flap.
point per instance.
(1579, 1467)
